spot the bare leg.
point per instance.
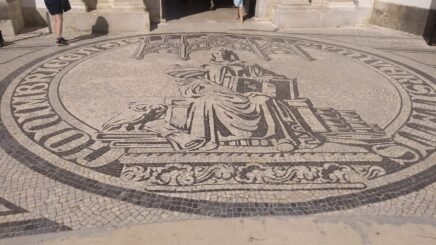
(241, 14)
(58, 23)
(212, 4)
(54, 24)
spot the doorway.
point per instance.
(202, 11)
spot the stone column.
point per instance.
(78, 5)
(340, 3)
(295, 13)
(294, 2)
(318, 13)
(365, 3)
(128, 5)
(108, 16)
(104, 4)
(11, 17)
(300, 5)
(317, 3)
(264, 9)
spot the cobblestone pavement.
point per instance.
(244, 121)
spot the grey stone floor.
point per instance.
(215, 120)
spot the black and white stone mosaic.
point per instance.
(220, 125)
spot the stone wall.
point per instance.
(424, 4)
(318, 13)
(100, 16)
(155, 9)
(264, 9)
(108, 16)
(34, 13)
(404, 15)
(408, 16)
(11, 17)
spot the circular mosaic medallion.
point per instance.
(225, 124)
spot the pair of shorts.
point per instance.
(238, 3)
(57, 6)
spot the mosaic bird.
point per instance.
(136, 116)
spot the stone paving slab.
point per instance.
(297, 230)
(184, 123)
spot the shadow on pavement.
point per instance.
(100, 28)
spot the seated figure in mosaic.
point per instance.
(209, 114)
(227, 70)
(225, 101)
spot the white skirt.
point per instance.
(238, 3)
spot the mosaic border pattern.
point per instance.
(216, 209)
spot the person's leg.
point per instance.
(58, 24)
(241, 13)
(212, 4)
(54, 24)
(240, 9)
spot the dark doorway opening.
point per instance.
(430, 27)
(179, 9)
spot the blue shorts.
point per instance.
(238, 3)
(57, 6)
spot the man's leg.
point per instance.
(238, 13)
(58, 24)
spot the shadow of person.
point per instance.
(100, 28)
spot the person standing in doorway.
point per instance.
(56, 8)
(212, 5)
(240, 5)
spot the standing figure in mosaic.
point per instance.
(227, 70)
(231, 101)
